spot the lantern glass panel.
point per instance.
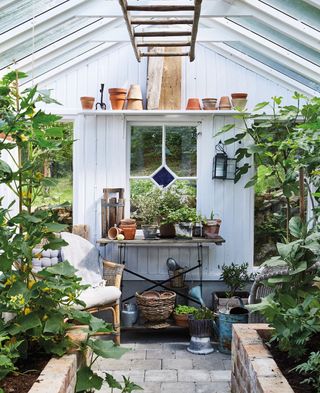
(219, 166)
(231, 168)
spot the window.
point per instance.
(163, 156)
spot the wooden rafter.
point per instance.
(144, 20)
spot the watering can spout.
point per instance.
(195, 292)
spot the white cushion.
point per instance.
(99, 296)
(84, 257)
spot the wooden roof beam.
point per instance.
(143, 21)
(160, 8)
(195, 26)
(124, 7)
(162, 33)
(163, 44)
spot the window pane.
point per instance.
(138, 187)
(181, 150)
(146, 150)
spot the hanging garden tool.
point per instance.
(101, 103)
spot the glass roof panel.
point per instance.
(299, 10)
(67, 55)
(259, 56)
(44, 39)
(21, 11)
(266, 31)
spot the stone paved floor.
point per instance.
(164, 366)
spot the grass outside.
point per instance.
(58, 194)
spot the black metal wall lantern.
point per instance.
(223, 167)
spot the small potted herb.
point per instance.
(181, 313)
(235, 277)
(183, 220)
(170, 201)
(211, 226)
(201, 324)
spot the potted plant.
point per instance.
(170, 201)
(148, 212)
(201, 323)
(181, 313)
(211, 226)
(183, 220)
(235, 277)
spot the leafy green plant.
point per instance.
(203, 313)
(285, 143)
(184, 214)
(128, 386)
(311, 367)
(236, 277)
(148, 207)
(42, 306)
(182, 309)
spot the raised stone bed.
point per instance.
(253, 368)
(60, 374)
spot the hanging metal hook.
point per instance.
(101, 103)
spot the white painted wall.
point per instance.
(210, 75)
(100, 148)
(101, 160)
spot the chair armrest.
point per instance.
(112, 273)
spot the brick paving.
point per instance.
(167, 367)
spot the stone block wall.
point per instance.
(253, 368)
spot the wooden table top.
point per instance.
(218, 240)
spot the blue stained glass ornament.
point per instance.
(163, 177)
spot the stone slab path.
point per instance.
(169, 368)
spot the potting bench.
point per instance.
(194, 242)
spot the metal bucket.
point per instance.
(225, 327)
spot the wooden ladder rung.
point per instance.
(139, 21)
(162, 44)
(163, 54)
(162, 33)
(160, 8)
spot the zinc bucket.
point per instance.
(225, 328)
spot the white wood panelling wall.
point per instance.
(210, 75)
(100, 160)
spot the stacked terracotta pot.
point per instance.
(134, 98)
(209, 104)
(239, 100)
(117, 98)
(224, 103)
(129, 228)
(193, 104)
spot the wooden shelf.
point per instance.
(163, 242)
(156, 113)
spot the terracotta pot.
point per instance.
(211, 228)
(134, 104)
(128, 221)
(225, 103)
(239, 103)
(117, 90)
(239, 95)
(193, 104)
(181, 319)
(209, 104)
(129, 232)
(135, 92)
(117, 103)
(114, 232)
(87, 102)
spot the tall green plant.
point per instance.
(41, 308)
(283, 143)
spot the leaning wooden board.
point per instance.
(112, 209)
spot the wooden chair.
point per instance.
(103, 277)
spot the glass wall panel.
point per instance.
(181, 150)
(146, 150)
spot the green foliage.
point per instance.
(311, 367)
(184, 214)
(148, 206)
(293, 309)
(128, 386)
(283, 142)
(203, 313)
(42, 305)
(181, 309)
(235, 277)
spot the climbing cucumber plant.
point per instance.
(36, 311)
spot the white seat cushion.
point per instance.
(99, 296)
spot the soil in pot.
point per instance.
(22, 382)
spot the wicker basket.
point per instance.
(177, 281)
(156, 306)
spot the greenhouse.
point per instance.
(159, 196)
